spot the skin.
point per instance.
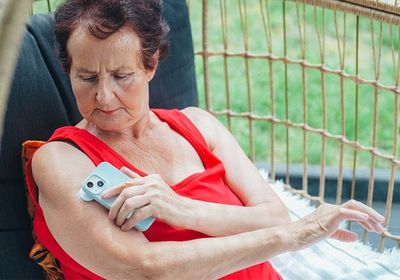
(111, 89)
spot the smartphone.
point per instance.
(103, 177)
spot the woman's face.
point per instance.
(108, 79)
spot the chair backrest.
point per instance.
(41, 100)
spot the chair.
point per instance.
(41, 100)
(310, 89)
(294, 75)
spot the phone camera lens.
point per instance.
(89, 184)
(100, 183)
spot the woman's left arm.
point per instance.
(262, 208)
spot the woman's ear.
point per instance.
(151, 72)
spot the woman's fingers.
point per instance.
(352, 215)
(366, 226)
(130, 173)
(136, 180)
(356, 205)
(377, 227)
(137, 195)
(129, 205)
(125, 194)
(325, 220)
(139, 215)
(131, 195)
(349, 236)
(364, 215)
(371, 225)
(375, 220)
(344, 235)
(119, 188)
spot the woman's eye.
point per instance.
(88, 79)
(121, 76)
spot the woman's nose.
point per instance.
(104, 92)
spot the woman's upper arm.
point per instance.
(241, 174)
(82, 228)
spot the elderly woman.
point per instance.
(216, 217)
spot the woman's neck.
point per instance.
(136, 130)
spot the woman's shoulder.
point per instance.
(55, 153)
(58, 145)
(51, 151)
(58, 161)
(205, 122)
(199, 116)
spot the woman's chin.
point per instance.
(112, 122)
(109, 125)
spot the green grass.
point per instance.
(260, 84)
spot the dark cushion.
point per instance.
(41, 101)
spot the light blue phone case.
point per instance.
(103, 177)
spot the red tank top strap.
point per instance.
(82, 141)
(96, 149)
(179, 122)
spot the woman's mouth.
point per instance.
(108, 112)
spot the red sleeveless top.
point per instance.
(208, 185)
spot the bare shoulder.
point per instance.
(57, 164)
(199, 116)
(57, 151)
(205, 122)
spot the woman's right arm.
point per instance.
(86, 233)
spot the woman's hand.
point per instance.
(147, 197)
(326, 219)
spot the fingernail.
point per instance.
(104, 195)
(124, 228)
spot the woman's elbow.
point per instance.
(149, 264)
(136, 264)
(284, 216)
(282, 213)
(278, 214)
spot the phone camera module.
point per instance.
(100, 184)
(89, 184)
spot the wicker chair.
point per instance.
(319, 63)
(295, 75)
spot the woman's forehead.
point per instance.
(123, 44)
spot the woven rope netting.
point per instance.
(307, 83)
